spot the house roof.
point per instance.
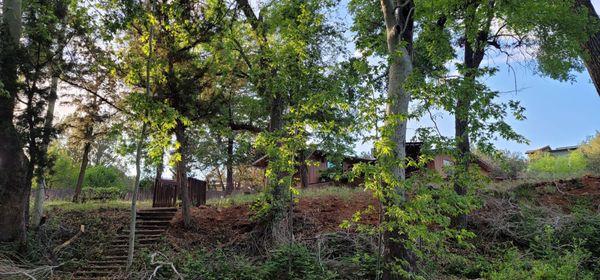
(263, 161)
(550, 150)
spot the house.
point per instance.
(315, 175)
(559, 152)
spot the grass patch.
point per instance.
(232, 200)
(344, 193)
(94, 205)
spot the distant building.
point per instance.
(313, 175)
(559, 152)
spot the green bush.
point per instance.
(575, 164)
(219, 265)
(294, 262)
(63, 171)
(564, 265)
(99, 176)
(583, 228)
(591, 152)
(109, 193)
(505, 164)
(285, 263)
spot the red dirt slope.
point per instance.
(233, 226)
(564, 193)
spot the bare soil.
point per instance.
(234, 227)
(566, 193)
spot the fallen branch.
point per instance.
(75, 237)
(160, 264)
(9, 269)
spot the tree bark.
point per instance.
(281, 231)
(136, 187)
(13, 162)
(473, 55)
(399, 29)
(138, 157)
(82, 169)
(159, 168)
(41, 169)
(182, 172)
(229, 188)
(592, 47)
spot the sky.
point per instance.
(558, 113)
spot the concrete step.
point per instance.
(140, 235)
(162, 227)
(114, 268)
(153, 222)
(140, 231)
(154, 218)
(97, 273)
(109, 262)
(138, 241)
(122, 250)
(115, 257)
(158, 210)
(156, 214)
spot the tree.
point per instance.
(284, 49)
(85, 126)
(45, 28)
(591, 47)
(398, 24)
(591, 152)
(90, 72)
(539, 30)
(13, 162)
(179, 75)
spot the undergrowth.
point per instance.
(65, 205)
(344, 193)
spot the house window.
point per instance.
(330, 164)
(447, 162)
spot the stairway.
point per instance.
(150, 226)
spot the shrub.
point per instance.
(109, 193)
(99, 176)
(219, 265)
(591, 152)
(564, 265)
(584, 227)
(294, 262)
(63, 170)
(506, 164)
(545, 164)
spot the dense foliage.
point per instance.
(213, 85)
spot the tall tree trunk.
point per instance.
(399, 28)
(592, 46)
(229, 187)
(136, 187)
(41, 169)
(181, 167)
(82, 169)
(159, 168)
(13, 162)
(138, 155)
(281, 230)
(473, 55)
(303, 169)
(218, 170)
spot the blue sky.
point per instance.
(558, 113)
